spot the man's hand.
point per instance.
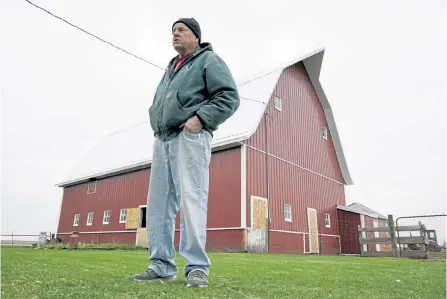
(192, 125)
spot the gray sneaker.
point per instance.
(197, 279)
(151, 275)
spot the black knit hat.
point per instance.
(192, 24)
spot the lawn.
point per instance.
(33, 273)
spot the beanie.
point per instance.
(192, 24)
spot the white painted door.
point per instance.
(141, 240)
(257, 235)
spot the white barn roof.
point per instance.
(131, 149)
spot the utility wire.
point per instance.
(253, 100)
(256, 78)
(129, 53)
(91, 34)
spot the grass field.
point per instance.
(32, 273)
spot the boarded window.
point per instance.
(91, 187)
(133, 216)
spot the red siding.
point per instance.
(348, 223)
(224, 203)
(114, 193)
(286, 243)
(329, 245)
(295, 139)
(295, 133)
(130, 191)
(232, 240)
(292, 185)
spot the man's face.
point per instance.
(183, 38)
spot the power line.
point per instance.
(257, 78)
(91, 34)
(129, 53)
(253, 100)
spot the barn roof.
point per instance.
(131, 149)
(359, 207)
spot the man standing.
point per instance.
(196, 94)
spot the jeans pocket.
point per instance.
(196, 136)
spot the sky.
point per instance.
(383, 72)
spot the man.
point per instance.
(196, 94)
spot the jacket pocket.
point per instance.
(173, 114)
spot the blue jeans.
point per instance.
(179, 180)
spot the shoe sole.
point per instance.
(196, 285)
(161, 280)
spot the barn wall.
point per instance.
(286, 243)
(231, 240)
(130, 191)
(295, 141)
(348, 223)
(114, 193)
(224, 200)
(295, 132)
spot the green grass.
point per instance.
(33, 273)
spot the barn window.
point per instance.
(288, 213)
(123, 215)
(76, 219)
(90, 218)
(106, 218)
(324, 132)
(91, 188)
(327, 220)
(277, 102)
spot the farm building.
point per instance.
(277, 173)
(353, 216)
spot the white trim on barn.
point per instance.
(243, 186)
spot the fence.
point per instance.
(433, 249)
(416, 245)
(25, 240)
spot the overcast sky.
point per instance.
(63, 90)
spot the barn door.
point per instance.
(142, 229)
(257, 235)
(312, 221)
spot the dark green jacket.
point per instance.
(202, 86)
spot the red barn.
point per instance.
(353, 216)
(277, 173)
